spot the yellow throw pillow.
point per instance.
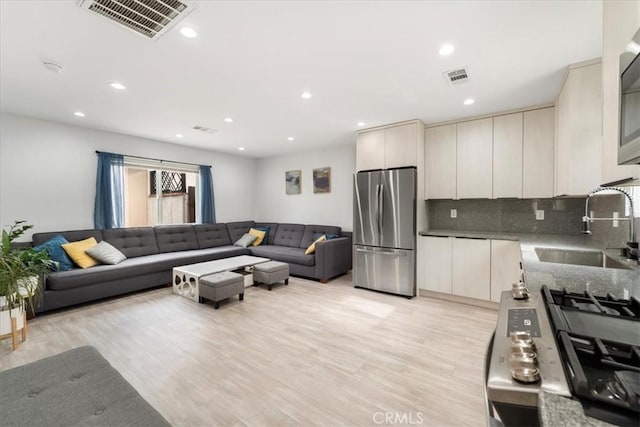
(259, 236)
(312, 247)
(76, 251)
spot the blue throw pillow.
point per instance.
(332, 236)
(266, 229)
(55, 251)
(316, 236)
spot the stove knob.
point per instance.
(517, 357)
(525, 370)
(521, 337)
(519, 291)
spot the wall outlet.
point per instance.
(539, 215)
(616, 223)
(454, 213)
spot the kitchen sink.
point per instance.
(588, 258)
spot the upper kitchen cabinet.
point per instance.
(440, 162)
(537, 144)
(578, 150)
(507, 156)
(474, 159)
(390, 147)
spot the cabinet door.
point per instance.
(401, 146)
(370, 150)
(434, 263)
(537, 165)
(471, 276)
(507, 156)
(440, 162)
(475, 159)
(505, 266)
(579, 131)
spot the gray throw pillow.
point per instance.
(245, 240)
(106, 253)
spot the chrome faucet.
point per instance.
(632, 245)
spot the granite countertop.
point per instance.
(621, 283)
(557, 410)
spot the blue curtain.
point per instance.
(207, 203)
(109, 206)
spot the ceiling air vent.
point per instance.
(151, 18)
(455, 77)
(204, 129)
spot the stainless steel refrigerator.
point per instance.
(384, 231)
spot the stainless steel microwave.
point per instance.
(629, 144)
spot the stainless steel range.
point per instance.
(573, 344)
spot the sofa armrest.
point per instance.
(333, 258)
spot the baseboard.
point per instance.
(461, 300)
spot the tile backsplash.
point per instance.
(561, 216)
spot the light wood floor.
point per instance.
(303, 354)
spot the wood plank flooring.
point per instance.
(304, 354)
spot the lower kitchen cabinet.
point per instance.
(434, 266)
(471, 275)
(506, 269)
(472, 268)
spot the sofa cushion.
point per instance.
(289, 235)
(260, 235)
(71, 236)
(273, 227)
(238, 229)
(56, 253)
(212, 235)
(284, 254)
(75, 388)
(132, 242)
(105, 253)
(311, 230)
(76, 251)
(172, 238)
(246, 240)
(138, 266)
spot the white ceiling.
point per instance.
(375, 62)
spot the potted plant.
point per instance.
(21, 272)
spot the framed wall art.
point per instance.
(322, 180)
(292, 181)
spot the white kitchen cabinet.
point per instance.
(440, 162)
(370, 149)
(538, 153)
(505, 266)
(390, 147)
(578, 153)
(507, 156)
(434, 263)
(474, 159)
(471, 272)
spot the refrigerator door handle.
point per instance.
(379, 252)
(381, 208)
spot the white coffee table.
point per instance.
(186, 277)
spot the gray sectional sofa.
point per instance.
(152, 252)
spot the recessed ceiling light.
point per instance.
(53, 66)
(290, 138)
(446, 49)
(360, 124)
(179, 135)
(117, 86)
(78, 114)
(469, 101)
(240, 148)
(228, 119)
(188, 32)
(306, 95)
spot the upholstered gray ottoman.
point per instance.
(75, 388)
(219, 286)
(270, 273)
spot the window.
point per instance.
(144, 205)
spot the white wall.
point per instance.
(335, 208)
(621, 20)
(48, 172)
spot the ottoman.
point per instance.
(219, 286)
(271, 272)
